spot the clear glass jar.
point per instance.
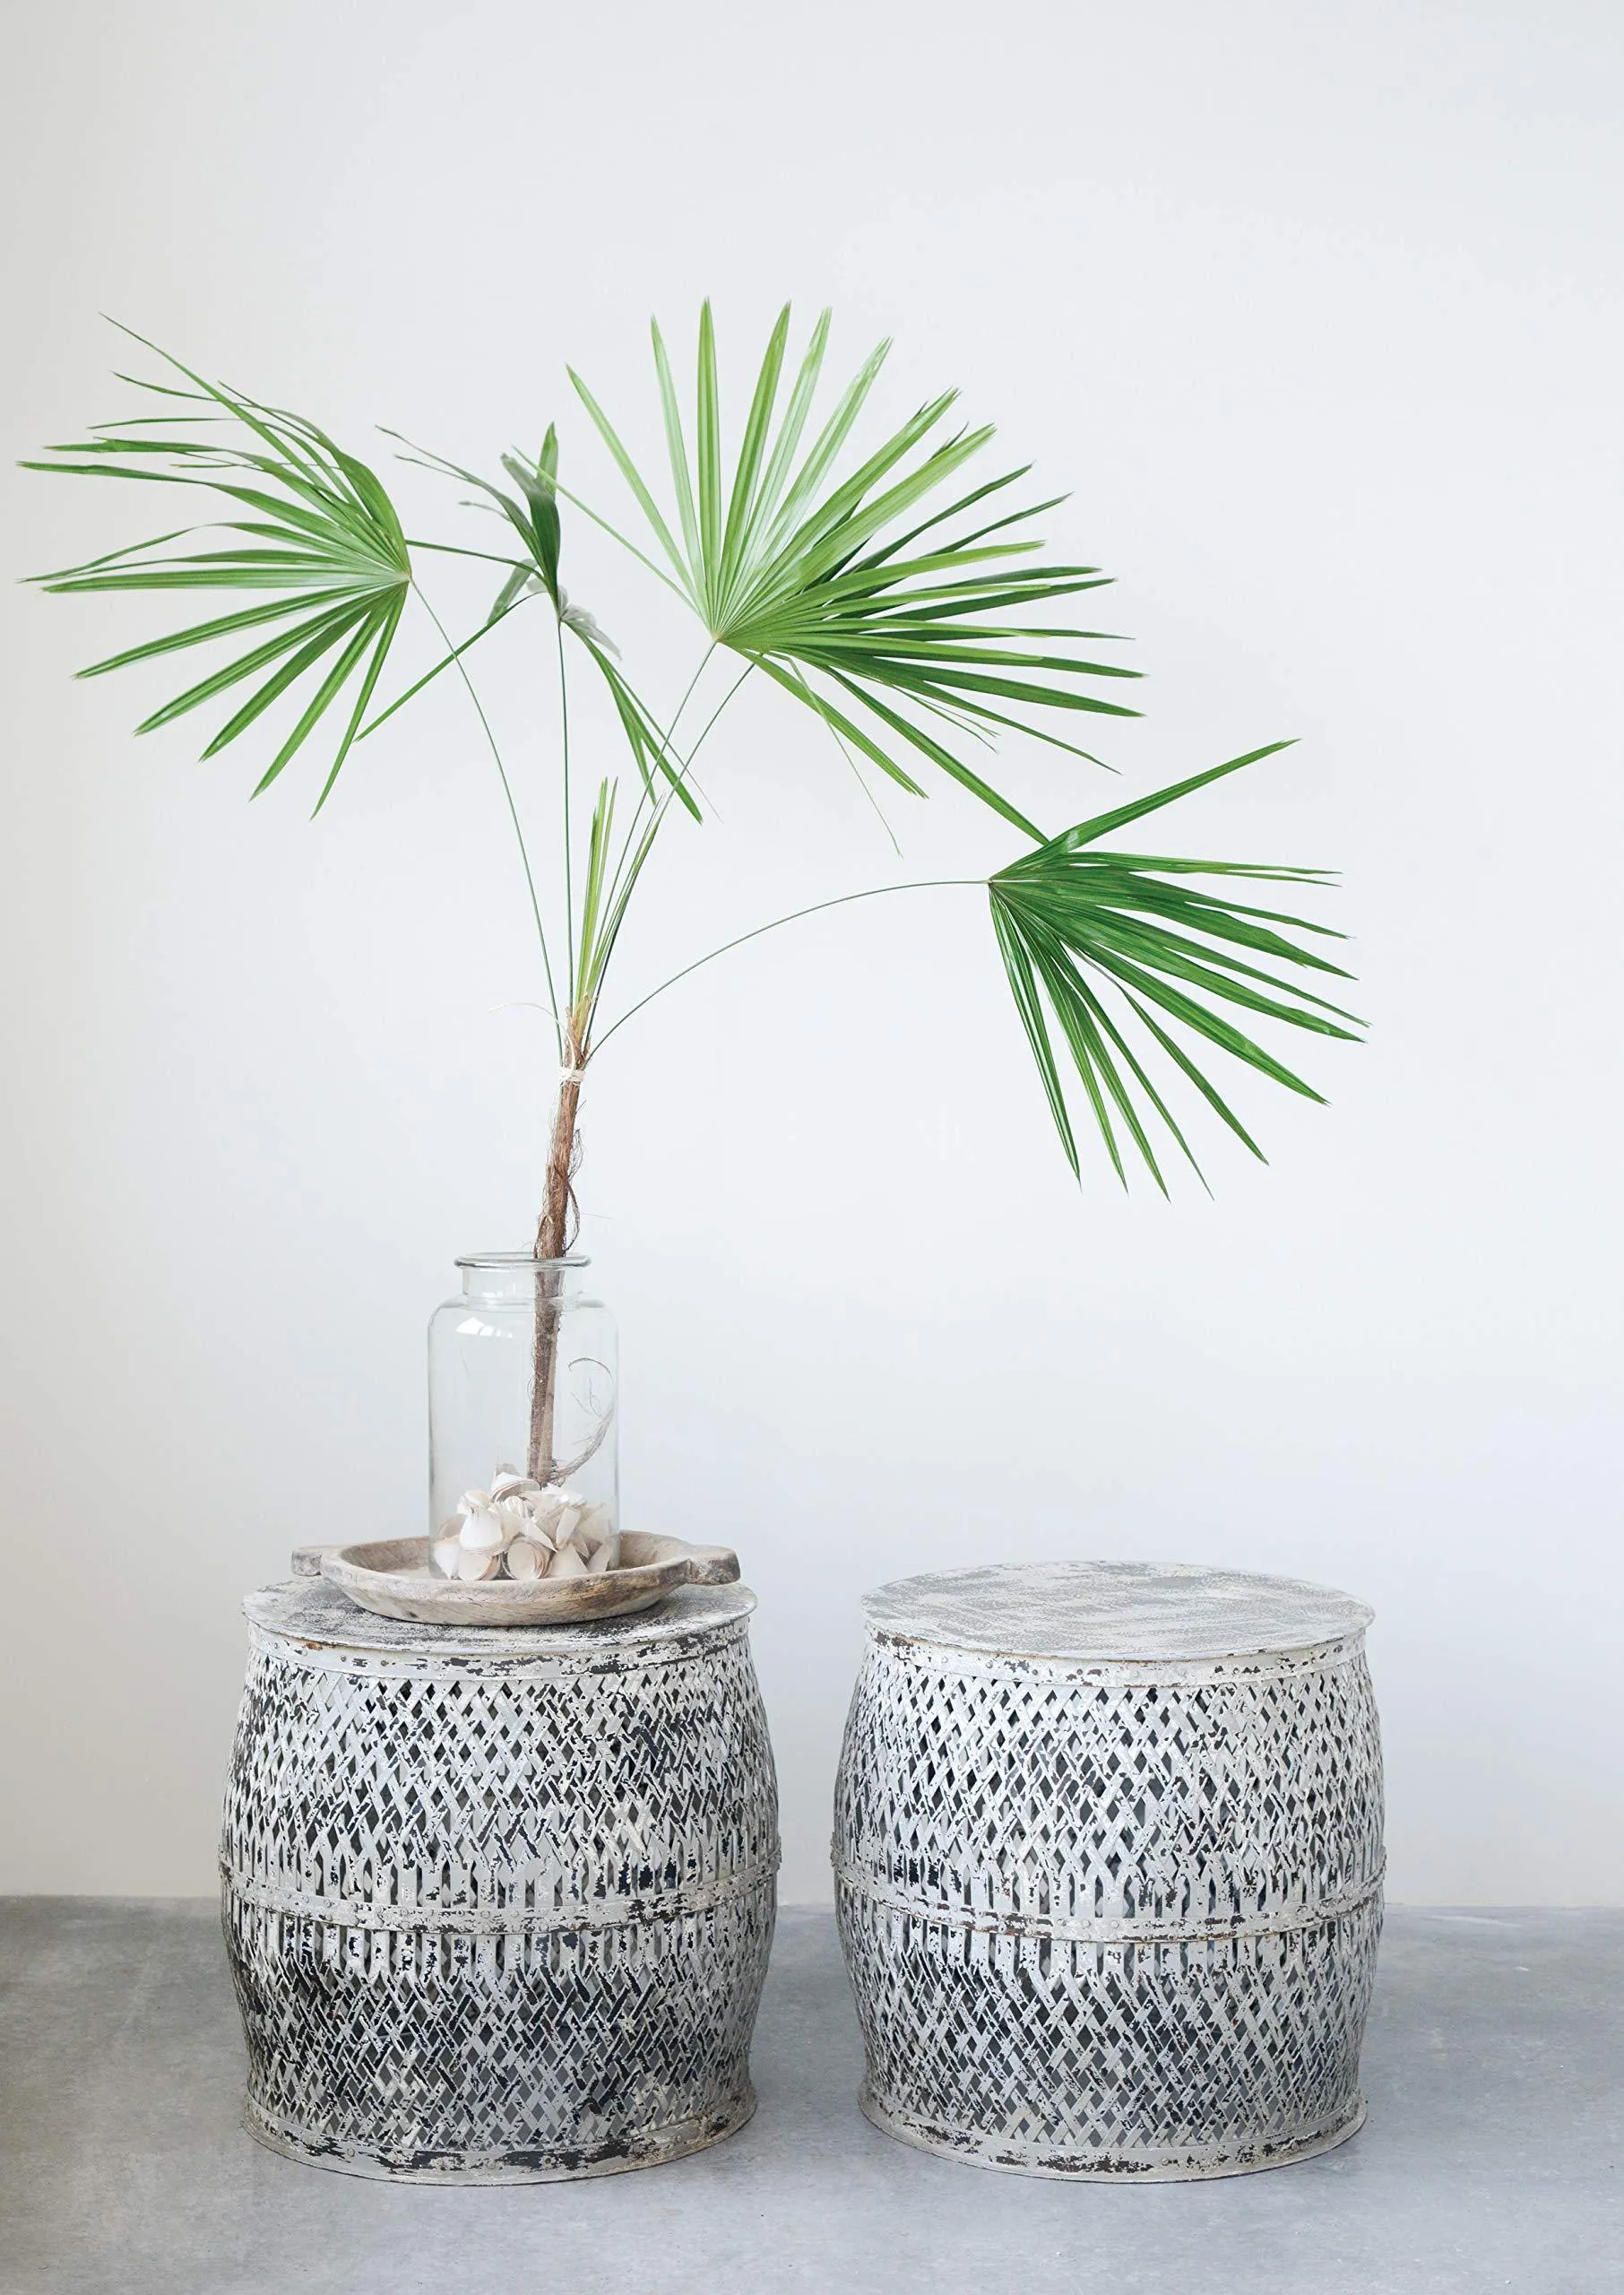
(521, 1383)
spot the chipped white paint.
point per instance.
(1123, 1612)
(499, 1902)
(1108, 1855)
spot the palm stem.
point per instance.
(710, 721)
(569, 903)
(873, 892)
(455, 549)
(662, 803)
(666, 739)
(552, 1242)
(688, 691)
(586, 982)
(512, 809)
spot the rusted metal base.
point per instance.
(1011, 2158)
(652, 2149)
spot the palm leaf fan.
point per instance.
(841, 591)
(1130, 964)
(314, 538)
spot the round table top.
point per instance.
(1108, 1611)
(313, 1610)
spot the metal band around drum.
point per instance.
(500, 1921)
(1044, 1929)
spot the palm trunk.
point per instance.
(552, 1241)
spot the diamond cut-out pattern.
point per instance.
(496, 1922)
(1100, 1923)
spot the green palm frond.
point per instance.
(533, 513)
(320, 536)
(890, 593)
(813, 578)
(1113, 947)
(652, 751)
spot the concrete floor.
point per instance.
(1492, 2157)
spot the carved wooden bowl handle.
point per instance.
(713, 1565)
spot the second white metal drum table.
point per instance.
(1108, 1855)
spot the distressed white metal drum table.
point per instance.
(499, 1901)
(1108, 1855)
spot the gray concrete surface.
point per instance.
(1494, 2066)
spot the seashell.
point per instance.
(569, 1520)
(526, 1561)
(599, 1561)
(512, 1515)
(482, 1533)
(567, 1563)
(445, 1552)
(594, 1526)
(509, 1485)
(545, 1508)
(474, 1566)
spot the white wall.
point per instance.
(1317, 310)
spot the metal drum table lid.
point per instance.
(499, 1902)
(1108, 1856)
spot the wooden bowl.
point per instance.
(395, 1577)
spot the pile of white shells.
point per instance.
(525, 1529)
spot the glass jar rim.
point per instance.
(510, 1263)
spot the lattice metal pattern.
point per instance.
(1111, 1918)
(1043, 1800)
(1183, 2059)
(497, 1914)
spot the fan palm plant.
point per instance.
(890, 594)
